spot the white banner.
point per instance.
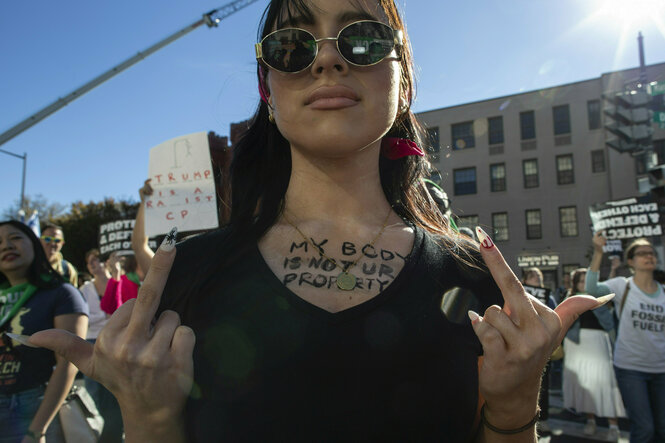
(184, 186)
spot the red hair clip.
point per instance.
(394, 148)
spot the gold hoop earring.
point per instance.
(271, 117)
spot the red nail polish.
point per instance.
(484, 239)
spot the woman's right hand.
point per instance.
(599, 241)
(149, 369)
(145, 191)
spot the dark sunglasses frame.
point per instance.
(398, 38)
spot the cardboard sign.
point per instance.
(116, 236)
(631, 218)
(184, 186)
(542, 294)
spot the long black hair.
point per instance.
(261, 166)
(40, 272)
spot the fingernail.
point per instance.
(169, 241)
(604, 299)
(483, 238)
(475, 318)
(23, 339)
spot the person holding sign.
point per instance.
(639, 355)
(316, 311)
(33, 297)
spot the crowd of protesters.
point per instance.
(604, 366)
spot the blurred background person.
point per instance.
(92, 292)
(53, 240)
(34, 381)
(589, 384)
(123, 284)
(639, 354)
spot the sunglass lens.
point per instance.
(289, 50)
(366, 43)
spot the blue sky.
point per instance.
(98, 145)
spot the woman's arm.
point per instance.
(140, 246)
(62, 377)
(112, 298)
(591, 285)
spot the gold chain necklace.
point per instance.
(346, 281)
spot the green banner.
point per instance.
(659, 117)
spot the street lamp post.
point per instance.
(24, 157)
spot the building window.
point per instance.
(534, 228)
(528, 125)
(498, 177)
(434, 146)
(465, 181)
(500, 226)
(467, 221)
(565, 174)
(561, 116)
(568, 221)
(598, 160)
(593, 113)
(463, 137)
(495, 130)
(530, 172)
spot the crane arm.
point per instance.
(211, 19)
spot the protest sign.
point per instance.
(630, 218)
(542, 294)
(116, 236)
(183, 185)
(613, 247)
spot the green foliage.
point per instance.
(81, 225)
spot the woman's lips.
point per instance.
(10, 257)
(332, 97)
(332, 103)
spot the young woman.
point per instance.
(33, 297)
(123, 284)
(589, 384)
(639, 355)
(317, 310)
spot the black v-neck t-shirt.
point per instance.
(269, 366)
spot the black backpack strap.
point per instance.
(623, 300)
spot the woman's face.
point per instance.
(333, 108)
(581, 283)
(644, 258)
(95, 266)
(16, 251)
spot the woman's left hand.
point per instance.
(517, 341)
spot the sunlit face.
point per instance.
(333, 108)
(16, 251)
(52, 247)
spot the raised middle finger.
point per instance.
(150, 293)
(517, 303)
